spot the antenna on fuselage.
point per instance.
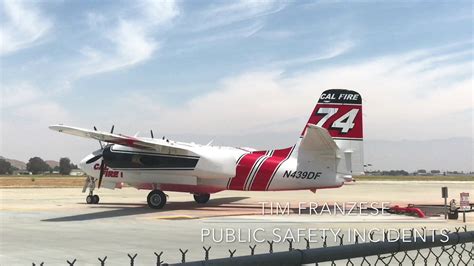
(151, 133)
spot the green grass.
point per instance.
(414, 178)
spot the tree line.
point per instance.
(417, 172)
(36, 165)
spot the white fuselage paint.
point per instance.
(215, 167)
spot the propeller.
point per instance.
(100, 142)
(93, 159)
(101, 173)
(102, 163)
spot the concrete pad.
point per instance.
(53, 225)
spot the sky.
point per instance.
(230, 70)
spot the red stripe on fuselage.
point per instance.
(268, 168)
(244, 167)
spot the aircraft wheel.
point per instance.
(156, 199)
(89, 199)
(202, 198)
(95, 199)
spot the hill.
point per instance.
(52, 163)
(15, 163)
(22, 165)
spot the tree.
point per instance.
(65, 166)
(395, 173)
(36, 165)
(5, 167)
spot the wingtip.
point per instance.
(56, 127)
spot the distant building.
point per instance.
(421, 172)
(77, 172)
(22, 172)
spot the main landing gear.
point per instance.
(91, 198)
(202, 198)
(156, 199)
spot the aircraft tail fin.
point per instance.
(339, 112)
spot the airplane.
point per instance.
(328, 153)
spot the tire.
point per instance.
(89, 199)
(156, 199)
(95, 199)
(202, 198)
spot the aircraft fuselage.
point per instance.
(249, 170)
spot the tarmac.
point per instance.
(53, 225)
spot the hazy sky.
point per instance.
(223, 68)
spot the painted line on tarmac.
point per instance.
(184, 217)
(328, 221)
(177, 217)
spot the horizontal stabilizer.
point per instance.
(317, 139)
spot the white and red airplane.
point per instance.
(327, 154)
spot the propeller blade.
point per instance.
(93, 159)
(101, 173)
(100, 142)
(112, 130)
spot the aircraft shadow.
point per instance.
(126, 209)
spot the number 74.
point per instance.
(343, 123)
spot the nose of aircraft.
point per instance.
(82, 164)
(88, 164)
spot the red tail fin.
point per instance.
(340, 112)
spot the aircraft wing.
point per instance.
(155, 144)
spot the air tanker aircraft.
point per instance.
(328, 153)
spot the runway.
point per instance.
(55, 225)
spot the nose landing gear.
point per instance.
(91, 198)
